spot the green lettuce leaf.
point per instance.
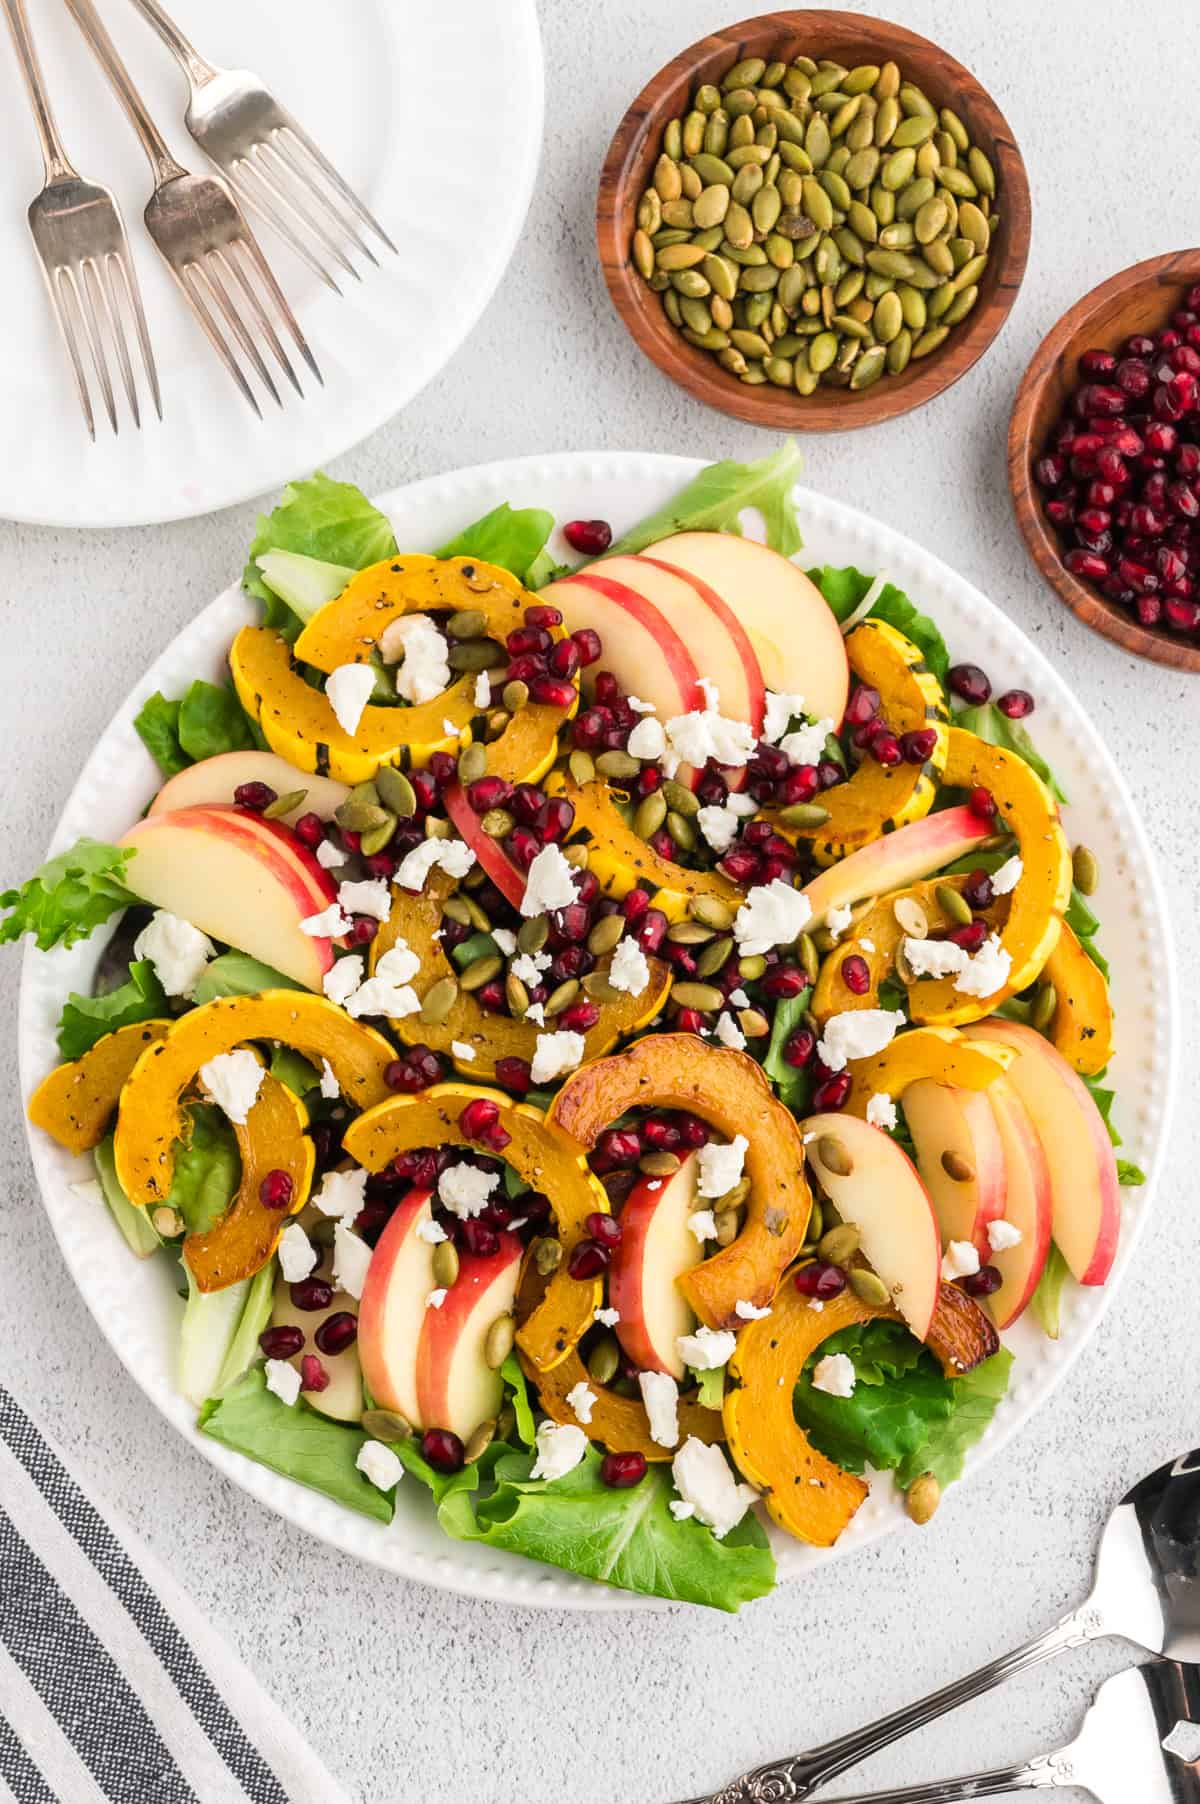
(157, 726)
(212, 721)
(513, 538)
(292, 1069)
(237, 974)
(86, 1019)
(243, 1349)
(714, 500)
(294, 1441)
(320, 518)
(792, 1086)
(1104, 1099)
(208, 1170)
(988, 724)
(1047, 1298)
(847, 589)
(69, 897)
(134, 1223)
(1129, 1173)
(710, 1393)
(304, 584)
(1084, 923)
(518, 1389)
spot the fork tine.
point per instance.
(272, 200)
(55, 281)
(288, 154)
(104, 301)
(91, 330)
(212, 268)
(338, 182)
(279, 300)
(232, 256)
(189, 281)
(133, 300)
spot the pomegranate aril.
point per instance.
(620, 1471)
(443, 1450)
(692, 1131)
(1087, 564)
(540, 613)
(564, 660)
(1182, 616)
(740, 864)
(800, 785)
(337, 1332)
(856, 974)
(1097, 363)
(689, 1020)
(885, 749)
(556, 819)
(1016, 703)
(514, 1074)
(982, 804)
(478, 1115)
(820, 1280)
(983, 1282)
(591, 538)
(311, 1294)
(970, 683)
(478, 1239)
(783, 982)
(313, 1376)
(614, 1148)
(281, 1342)
(554, 692)
(977, 891)
(254, 796)
(587, 643)
(829, 773)
(579, 1017)
(862, 706)
(488, 792)
(522, 847)
(969, 937)
(276, 1190)
(833, 1092)
(604, 1228)
(799, 1047)
(919, 746)
(310, 831)
(588, 1259)
(649, 928)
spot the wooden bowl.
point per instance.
(850, 38)
(1140, 299)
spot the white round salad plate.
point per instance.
(134, 1303)
(433, 113)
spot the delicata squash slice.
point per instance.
(876, 938)
(299, 721)
(1082, 1028)
(416, 920)
(940, 1053)
(728, 1090)
(878, 800)
(272, 1139)
(544, 1158)
(152, 1115)
(75, 1103)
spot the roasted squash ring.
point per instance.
(416, 919)
(76, 1102)
(272, 1139)
(544, 1158)
(877, 800)
(152, 1117)
(618, 1423)
(727, 1089)
(940, 1053)
(876, 939)
(1082, 1028)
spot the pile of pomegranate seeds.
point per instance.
(1121, 474)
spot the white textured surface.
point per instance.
(410, 1692)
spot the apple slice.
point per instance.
(391, 1313)
(490, 853)
(456, 1387)
(657, 1247)
(713, 634)
(243, 880)
(1085, 1192)
(640, 644)
(897, 859)
(883, 1197)
(789, 623)
(214, 780)
(1029, 1205)
(342, 1397)
(960, 1157)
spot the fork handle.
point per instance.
(197, 68)
(165, 167)
(54, 155)
(1036, 1775)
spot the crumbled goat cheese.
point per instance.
(342, 1193)
(961, 1260)
(710, 692)
(461, 1050)
(528, 967)
(425, 671)
(177, 950)
(399, 963)
(857, 1034)
(934, 958)
(660, 1400)
(373, 898)
(807, 744)
(1006, 879)
(647, 740)
(343, 978)
(329, 856)
(720, 1165)
(749, 1312)
(881, 1111)
(432, 1232)
(483, 691)
(555, 1054)
(630, 968)
(351, 1257)
(348, 689)
(330, 924)
(695, 738)
(436, 1298)
(986, 971)
(703, 1224)
(608, 1318)
(838, 920)
(233, 1081)
(380, 1465)
(560, 1448)
(536, 1012)
(745, 806)
(506, 940)
(465, 1189)
(835, 1375)
(455, 857)
(739, 999)
(297, 1254)
(772, 915)
(283, 1379)
(1002, 1235)
(330, 1088)
(581, 1400)
(379, 997)
(728, 1032)
(709, 1490)
(681, 1510)
(719, 826)
(549, 883)
(639, 706)
(780, 711)
(450, 855)
(707, 1349)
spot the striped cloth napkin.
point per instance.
(112, 1685)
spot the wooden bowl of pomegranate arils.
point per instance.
(1104, 459)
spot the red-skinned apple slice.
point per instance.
(1029, 1206)
(214, 780)
(391, 1313)
(1085, 1192)
(897, 860)
(656, 1248)
(883, 1197)
(243, 880)
(456, 1387)
(641, 646)
(796, 639)
(500, 868)
(960, 1157)
(711, 631)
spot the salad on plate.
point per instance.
(616, 1044)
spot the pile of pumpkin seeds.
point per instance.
(808, 223)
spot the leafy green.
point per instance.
(86, 1019)
(513, 538)
(295, 1441)
(243, 1348)
(904, 1415)
(1047, 1298)
(846, 589)
(212, 721)
(514, 1379)
(320, 518)
(1084, 923)
(714, 500)
(294, 1071)
(1103, 1099)
(237, 974)
(710, 1393)
(994, 728)
(134, 1223)
(478, 945)
(304, 583)
(792, 1085)
(208, 1170)
(69, 896)
(157, 726)
(1129, 1173)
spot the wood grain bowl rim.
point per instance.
(634, 143)
(1175, 269)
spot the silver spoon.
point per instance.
(1147, 1591)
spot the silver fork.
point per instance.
(270, 159)
(80, 237)
(204, 240)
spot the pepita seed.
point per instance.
(659, 1165)
(516, 995)
(604, 1360)
(752, 967)
(376, 838)
(479, 1442)
(834, 1155)
(649, 214)
(547, 1256)
(804, 814)
(618, 766)
(911, 917)
(515, 695)
(953, 904)
(598, 987)
(576, 855)
(714, 957)
(468, 623)
(472, 764)
(650, 815)
(498, 1343)
(385, 1425)
(728, 1224)
(753, 1023)
(981, 170)
(961, 306)
(711, 911)
(562, 997)
(956, 1167)
(930, 340)
(809, 959)
(395, 791)
(703, 996)
(869, 367)
(839, 1245)
(681, 831)
(480, 971)
(689, 933)
(1045, 1005)
(439, 1000)
(533, 933)
(361, 817)
(676, 257)
(888, 318)
(284, 805)
(1085, 870)
(473, 655)
(166, 1221)
(922, 1498)
(666, 179)
(445, 1263)
(868, 1287)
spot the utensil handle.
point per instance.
(1036, 1775)
(107, 55)
(197, 68)
(54, 155)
